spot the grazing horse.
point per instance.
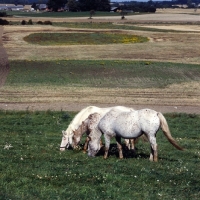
(129, 125)
(90, 123)
(76, 127)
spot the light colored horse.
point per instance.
(76, 124)
(129, 125)
(91, 122)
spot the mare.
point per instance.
(129, 125)
(91, 122)
(76, 127)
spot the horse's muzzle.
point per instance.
(62, 148)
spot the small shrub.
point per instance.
(40, 22)
(23, 22)
(47, 23)
(3, 22)
(30, 22)
(3, 14)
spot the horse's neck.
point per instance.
(96, 133)
(81, 116)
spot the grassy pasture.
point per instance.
(107, 73)
(100, 25)
(82, 38)
(63, 14)
(109, 25)
(33, 168)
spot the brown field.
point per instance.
(180, 47)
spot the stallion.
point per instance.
(75, 130)
(129, 125)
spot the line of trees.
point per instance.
(80, 5)
(100, 5)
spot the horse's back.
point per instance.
(149, 120)
(117, 121)
(84, 113)
(129, 124)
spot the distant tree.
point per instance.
(55, 5)
(103, 5)
(98, 5)
(72, 5)
(92, 12)
(87, 5)
(189, 2)
(123, 13)
(16, 2)
(34, 6)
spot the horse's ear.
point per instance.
(63, 132)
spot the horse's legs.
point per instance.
(107, 145)
(119, 146)
(86, 145)
(132, 141)
(154, 151)
(127, 143)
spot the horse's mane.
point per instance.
(77, 120)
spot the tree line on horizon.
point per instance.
(103, 5)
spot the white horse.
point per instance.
(91, 122)
(129, 125)
(76, 123)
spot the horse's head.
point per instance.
(94, 144)
(77, 134)
(67, 139)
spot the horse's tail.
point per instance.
(165, 128)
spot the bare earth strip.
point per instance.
(180, 47)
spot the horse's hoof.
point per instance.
(84, 151)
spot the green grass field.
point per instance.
(107, 73)
(32, 167)
(83, 38)
(64, 14)
(96, 25)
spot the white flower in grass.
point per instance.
(8, 146)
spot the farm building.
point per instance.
(11, 7)
(114, 9)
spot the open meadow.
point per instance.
(146, 60)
